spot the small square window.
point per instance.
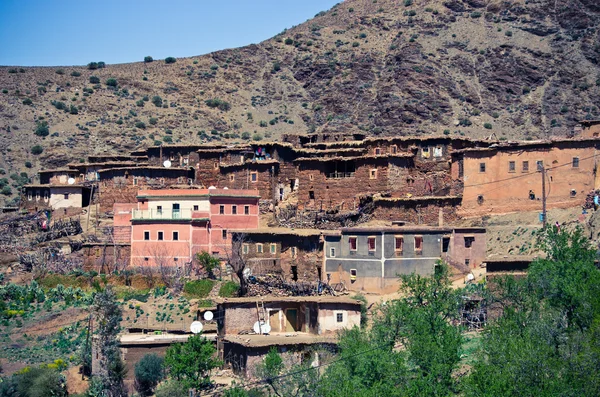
(245, 248)
(371, 243)
(399, 244)
(540, 165)
(373, 174)
(273, 248)
(159, 209)
(232, 178)
(418, 243)
(393, 149)
(469, 241)
(253, 177)
(175, 236)
(259, 248)
(481, 167)
(511, 166)
(575, 162)
(160, 236)
(311, 177)
(224, 234)
(176, 259)
(525, 166)
(246, 210)
(352, 243)
(234, 209)
(216, 165)
(339, 317)
(196, 208)
(293, 252)
(467, 262)
(147, 236)
(332, 252)
(146, 259)
(377, 151)
(221, 209)
(66, 196)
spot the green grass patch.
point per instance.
(229, 289)
(470, 347)
(198, 288)
(206, 303)
(52, 280)
(133, 294)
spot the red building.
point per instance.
(170, 226)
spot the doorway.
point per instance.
(274, 321)
(291, 320)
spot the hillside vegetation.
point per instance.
(516, 68)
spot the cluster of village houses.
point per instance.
(170, 202)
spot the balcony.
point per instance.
(166, 215)
(340, 175)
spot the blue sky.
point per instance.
(76, 32)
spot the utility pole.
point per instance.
(544, 195)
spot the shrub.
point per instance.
(42, 129)
(229, 289)
(73, 110)
(75, 73)
(153, 120)
(508, 33)
(257, 137)
(27, 101)
(289, 41)
(140, 103)
(59, 71)
(487, 126)
(246, 135)
(94, 80)
(28, 164)
(101, 65)
(217, 103)
(168, 139)
(6, 190)
(148, 59)
(140, 124)
(172, 388)
(37, 149)
(198, 288)
(148, 372)
(111, 82)
(92, 65)
(475, 14)
(262, 123)
(170, 60)
(5, 91)
(59, 105)
(157, 101)
(407, 3)
(355, 44)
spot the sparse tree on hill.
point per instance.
(237, 260)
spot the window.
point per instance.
(371, 243)
(540, 165)
(311, 177)
(377, 151)
(525, 166)
(339, 317)
(573, 192)
(146, 259)
(234, 209)
(311, 194)
(29, 195)
(232, 178)
(259, 248)
(399, 243)
(245, 248)
(419, 243)
(352, 243)
(273, 248)
(373, 174)
(481, 167)
(352, 275)
(511, 166)
(147, 235)
(246, 210)
(469, 241)
(332, 252)
(160, 236)
(467, 262)
(293, 252)
(445, 244)
(175, 236)
(216, 165)
(253, 177)
(66, 196)
(393, 149)
(425, 152)
(224, 234)
(575, 162)
(45, 195)
(221, 209)
(159, 209)
(176, 259)
(135, 181)
(438, 151)
(196, 208)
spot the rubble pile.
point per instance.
(275, 285)
(589, 199)
(291, 217)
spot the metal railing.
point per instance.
(162, 214)
(340, 175)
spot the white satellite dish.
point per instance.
(225, 188)
(470, 277)
(167, 163)
(260, 327)
(247, 272)
(70, 181)
(208, 315)
(196, 327)
(211, 188)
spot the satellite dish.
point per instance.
(196, 327)
(70, 181)
(167, 163)
(247, 272)
(225, 188)
(470, 276)
(211, 188)
(208, 315)
(260, 327)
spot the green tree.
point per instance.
(94, 80)
(192, 361)
(42, 129)
(148, 372)
(208, 262)
(148, 59)
(111, 82)
(170, 60)
(37, 149)
(157, 101)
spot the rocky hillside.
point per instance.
(515, 68)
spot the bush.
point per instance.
(217, 103)
(6, 190)
(37, 149)
(157, 101)
(42, 128)
(229, 289)
(289, 41)
(92, 65)
(94, 80)
(39, 382)
(508, 33)
(246, 135)
(28, 164)
(198, 288)
(257, 137)
(487, 126)
(172, 388)
(140, 124)
(111, 82)
(140, 103)
(153, 120)
(75, 73)
(148, 372)
(148, 59)
(27, 101)
(170, 60)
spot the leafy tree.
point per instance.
(27, 101)
(170, 60)
(208, 262)
(148, 59)
(34, 382)
(37, 149)
(157, 101)
(111, 82)
(42, 128)
(73, 110)
(94, 80)
(148, 372)
(92, 65)
(192, 361)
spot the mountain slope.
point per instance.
(516, 68)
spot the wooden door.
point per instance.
(274, 321)
(291, 320)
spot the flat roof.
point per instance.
(133, 168)
(157, 193)
(397, 229)
(279, 339)
(57, 170)
(153, 339)
(286, 231)
(511, 258)
(300, 299)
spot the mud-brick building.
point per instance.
(588, 129)
(296, 323)
(370, 259)
(169, 226)
(295, 254)
(121, 185)
(506, 178)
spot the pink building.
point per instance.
(170, 226)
